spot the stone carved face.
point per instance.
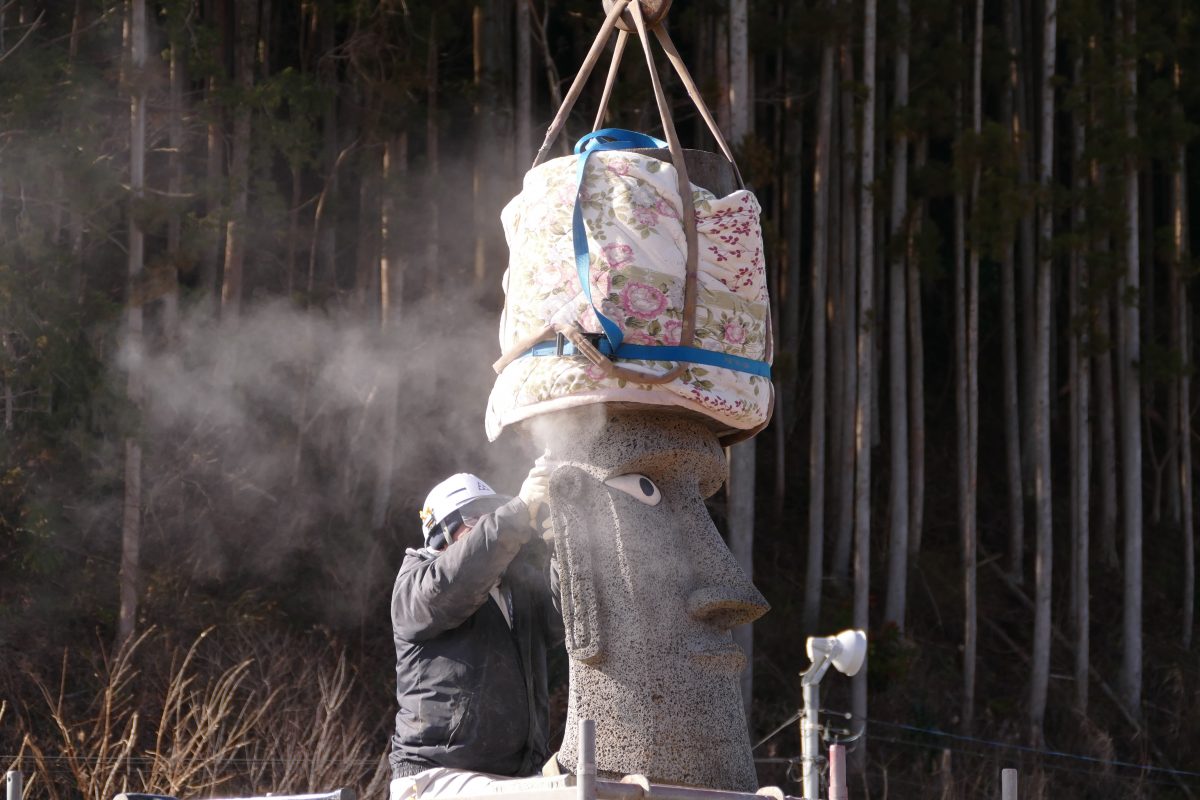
(650, 593)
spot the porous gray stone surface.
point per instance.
(650, 593)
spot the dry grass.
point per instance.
(230, 718)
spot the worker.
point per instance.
(474, 613)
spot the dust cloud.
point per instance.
(301, 442)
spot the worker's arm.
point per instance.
(440, 594)
(539, 575)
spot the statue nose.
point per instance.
(727, 606)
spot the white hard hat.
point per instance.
(450, 496)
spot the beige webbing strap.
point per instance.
(684, 186)
(618, 51)
(668, 46)
(687, 203)
(521, 347)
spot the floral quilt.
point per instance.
(631, 209)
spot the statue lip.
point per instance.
(723, 656)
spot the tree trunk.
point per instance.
(131, 524)
(554, 82)
(1187, 520)
(788, 298)
(1173, 444)
(1102, 345)
(1106, 435)
(1041, 420)
(523, 147)
(237, 227)
(491, 32)
(1146, 303)
(293, 228)
(1183, 390)
(325, 229)
(962, 395)
(75, 218)
(820, 269)
(6, 341)
(916, 365)
(392, 264)
(836, 374)
(740, 107)
(170, 308)
(897, 579)
(1130, 394)
(394, 168)
(793, 230)
(210, 265)
(742, 461)
(962, 431)
(721, 66)
(1080, 404)
(850, 298)
(1024, 140)
(367, 241)
(971, 364)
(865, 365)
(432, 233)
(1012, 405)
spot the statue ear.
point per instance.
(573, 517)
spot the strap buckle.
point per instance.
(561, 342)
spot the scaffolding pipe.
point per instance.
(1008, 784)
(586, 774)
(837, 773)
(14, 782)
(810, 742)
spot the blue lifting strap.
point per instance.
(663, 352)
(613, 345)
(603, 139)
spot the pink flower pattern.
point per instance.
(672, 331)
(645, 216)
(617, 255)
(618, 166)
(642, 300)
(734, 333)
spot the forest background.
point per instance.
(250, 263)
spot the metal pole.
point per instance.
(585, 775)
(837, 773)
(810, 742)
(1008, 784)
(14, 781)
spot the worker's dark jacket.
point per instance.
(473, 692)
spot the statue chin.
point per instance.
(650, 593)
(693, 736)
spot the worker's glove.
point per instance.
(535, 491)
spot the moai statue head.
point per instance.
(650, 593)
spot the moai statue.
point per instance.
(650, 593)
(635, 339)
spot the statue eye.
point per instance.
(638, 486)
